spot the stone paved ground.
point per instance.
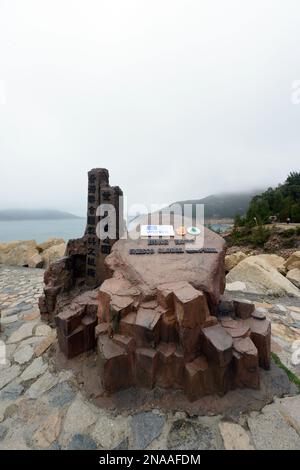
(42, 407)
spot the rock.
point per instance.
(36, 368)
(148, 274)
(232, 260)
(44, 344)
(236, 328)
(12, 391)
(217, 345)
(79, 417)
(279, 308)
(52, 254)
(259, 313)
(36, 261)
(61, 395)
(194, 435)
(293, 262)
(18, 253)
(8, 375)
(235, 286)
(243, 308)
(295, 316)
(50, 242)
(43, 330)
(23, 354)
(235, 437)
(294, 276)
(197, 381)
(31, 316)
(3, 432)
(42, 385)
(245, 363)
(191, 307)
(23, 332)
(261, 337)
(270, 431)
(115, 365)
(146, 367)
(82, 442)
(261, 276)
(290, 410)
(5, 405)
(48, 432)
(146, 427)
(110, 432)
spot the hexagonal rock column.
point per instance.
(261, 337)
(162, 322)
(76, 325)
(83, 266)
(245, 363)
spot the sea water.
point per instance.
(41, 230)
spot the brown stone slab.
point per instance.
(217, 345)
(101, 329)
(236, 328)
(69, 319)
(165, 293)
(125, 341)
(190, 306)
(210, 321)
(147, 318)
(190, 342)
(116, 366)
(243, 308)
(127, 325)
(221, 379)
(147, 327)
(166, 373)
(73, 344)
(261, 337)
(168, 329)
(245, 363)
(196, 378)
(103, 306)
(146, 367)
(89, 300)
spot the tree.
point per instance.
(283, 202)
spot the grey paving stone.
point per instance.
(193, 435)
(270, 431)
(11, 391)
(145, 428)
(82, 442)
(60, 395)
(3, 432)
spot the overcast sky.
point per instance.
(177, 98)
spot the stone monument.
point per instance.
(154, 310)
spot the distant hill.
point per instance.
(34, 214)
(224, 206)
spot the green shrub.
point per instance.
(290, 232)
(292, 377)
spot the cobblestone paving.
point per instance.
(42, 408)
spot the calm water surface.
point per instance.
(41, 230)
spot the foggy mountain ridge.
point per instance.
(35, 214)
